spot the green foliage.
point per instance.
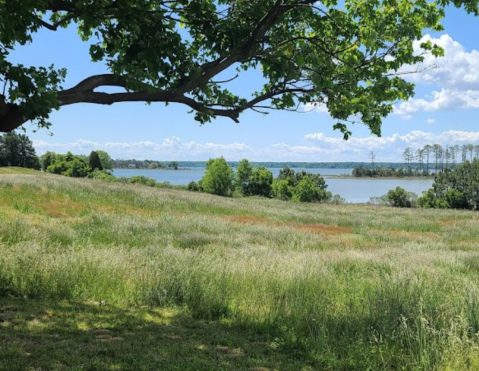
(47, 159)
(94, 161)
(141, 179)
(243, 175)
(301, 186)
(68, 165)
(105, 159)
(218, 178)
(399, 197)
(173, 165)
(260, 182)
(17, 150)
(194, 186)
(341, 54)
(457, 189)
(101, 175)
(282, 190)
(307, 190)
(288, 175)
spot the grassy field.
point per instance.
(100, 276)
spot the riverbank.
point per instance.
(100, 276)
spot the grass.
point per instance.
(97, 276)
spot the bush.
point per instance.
(141, 179)
(282, 190)
(193, 186)
(308, 191)
(457, 189)
(102, 175)
(399, 197)
(260, 182)
(243, 175)
(218, 178)
(337, 200)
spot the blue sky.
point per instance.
(445, 110)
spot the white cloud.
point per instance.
(458, 69)
(388, 148)
(430, 121)
(318, 147)
(169, 148)
(456, 74)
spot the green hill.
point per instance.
(97, 276)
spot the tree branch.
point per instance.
(60, 6)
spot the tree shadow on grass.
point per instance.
(62, 335)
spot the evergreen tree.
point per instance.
(94, 161)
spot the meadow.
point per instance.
(97, 276)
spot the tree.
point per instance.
(260, 182)
(288, 175)
(399, 197)
(420, 158)
(308, 191)
(457, 188)
(173, 165)
(105, 159)
(437, 150)
(408, 156)
(68, 164)
(345, 55)
(94, 161)
(243, 175)
(427, 151)
(282, 190)
(47, 159)
(372, 156)
(218, 178)
(17, 150)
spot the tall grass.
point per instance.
(346, 287)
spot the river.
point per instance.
(354, 190)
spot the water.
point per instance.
(354, 190)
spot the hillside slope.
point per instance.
(175, 280)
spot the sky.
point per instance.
(444, 110)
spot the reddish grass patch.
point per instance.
(247, 219)
(409, 234)
(322, 228)
(312, 228)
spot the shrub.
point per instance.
(141, 179)
(282, 190)
(399, 197)
(243, 174)
(94, 161)
(260, 182)
(308, 191)
(218, 178)
(193, 186)
(458, 189)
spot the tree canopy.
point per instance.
(345, 54)
(17, 150)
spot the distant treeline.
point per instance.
(153, 164)
(145, 164)
(425, 161)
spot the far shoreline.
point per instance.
(352, 177)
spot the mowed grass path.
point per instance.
(97, 275)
